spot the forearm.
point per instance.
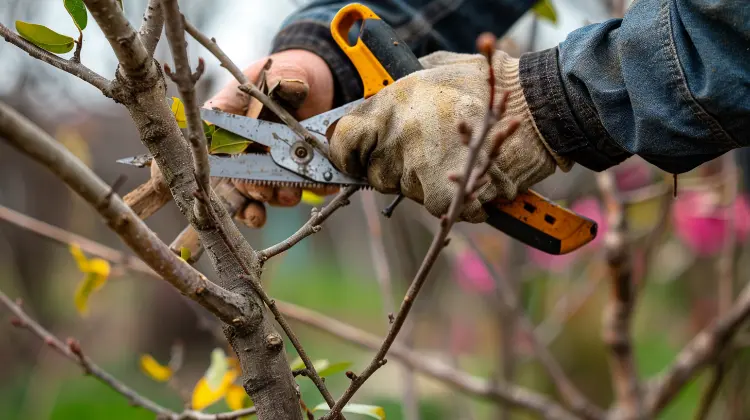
(670, 82)
(426, 26)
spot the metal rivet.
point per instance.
(328, 176)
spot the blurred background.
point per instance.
(688, 254)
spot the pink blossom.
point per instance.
(587, 206)
(632, 175)
(471, 273)
(702, 222)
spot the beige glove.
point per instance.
(405, 139)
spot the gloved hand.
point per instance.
(405, 138)
(303, 84)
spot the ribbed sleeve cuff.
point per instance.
(550, 107)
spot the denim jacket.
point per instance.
(669, 82)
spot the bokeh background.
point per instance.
(679, 246)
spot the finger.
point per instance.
(253, 215)
(286, 197)
(260, 193)
(232, 100)
(327, 190)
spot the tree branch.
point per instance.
(31, 140)
(73, 352)
(135, 62)
(265, 369)
(702, 351)
(467, 182)
(313, 225)
(152, 26)
(76, 69)
(185, 80)
(619, 312)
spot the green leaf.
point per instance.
(44, 37)
(208, 130)
(298, 364)
(223, 141)
(545, 10)
(218, 368)
(331, 369)
(77, 10)
(184, 253)
(364, 409)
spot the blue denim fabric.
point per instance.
(669, 82)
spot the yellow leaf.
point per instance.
(309, 197)
(154, 369)
(95, 270)
(237, 398)
(185, 253)
(178, 109)
(204, 396)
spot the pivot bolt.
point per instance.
(328, 175)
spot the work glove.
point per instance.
(405, 139)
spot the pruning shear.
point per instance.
(380, 58)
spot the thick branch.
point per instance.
(152, 25)
(503, 393)
(31, 140)
(135, 62)
(317, 217)
(185, 80)
(619, 312)
(76, 69)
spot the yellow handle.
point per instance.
(374, 75)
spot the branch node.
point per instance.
(351, 375)
(274, 342)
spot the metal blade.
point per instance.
(320, 123)
(256, 167)
(264, 132)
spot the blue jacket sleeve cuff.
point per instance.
(550, 107)
(314, 36)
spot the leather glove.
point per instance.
(405, 139)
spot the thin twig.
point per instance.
(466, 182)
(252, 90)
(76, 69)
(66, 237)
(701, 351)
(410, 396)
(72, 351)
(498, 392)
(152, 25)
(619, 312)
(317, 217)
(185, 79)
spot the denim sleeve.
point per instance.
(669, 82)
(425, 25)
